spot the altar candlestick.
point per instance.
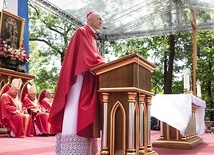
(186, 81)
(198, 86)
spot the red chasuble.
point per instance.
(39, 115)
(14, 118)
(81, 55)
(46, 104)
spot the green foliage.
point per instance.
(205, 68)
(40, 67)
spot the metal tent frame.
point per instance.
(134, 18)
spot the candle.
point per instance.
(186, 81)
(198, 87)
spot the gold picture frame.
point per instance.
(12, 29)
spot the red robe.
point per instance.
(81, 55)
(13, 116)
(46, 103)
(40, 116)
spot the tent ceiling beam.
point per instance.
(120, 31)
(157, 32)
(58, 12)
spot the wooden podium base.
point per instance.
(149, 153)
(153, 153)
(184, 144)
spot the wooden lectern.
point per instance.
(125, 86)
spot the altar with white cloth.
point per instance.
(182, 120)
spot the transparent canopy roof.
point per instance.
(136, 18)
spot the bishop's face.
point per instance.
(95, 21)
(48, 94)
(32, 95)
(14, 91)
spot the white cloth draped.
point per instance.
(176, 110)
(71, 108)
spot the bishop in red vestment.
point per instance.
(81, 55)
(47, 101)
(18, 122)
(40, 116)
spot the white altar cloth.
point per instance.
(176, 110)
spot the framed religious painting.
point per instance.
(11, 29)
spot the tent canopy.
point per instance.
(135, 18)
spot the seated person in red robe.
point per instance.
(16, 118)
(40, 116)
(46, 102)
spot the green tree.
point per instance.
(205, 68)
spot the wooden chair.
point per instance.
(2, 83)
(41, 95)
(4, 89)
(24, 90)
